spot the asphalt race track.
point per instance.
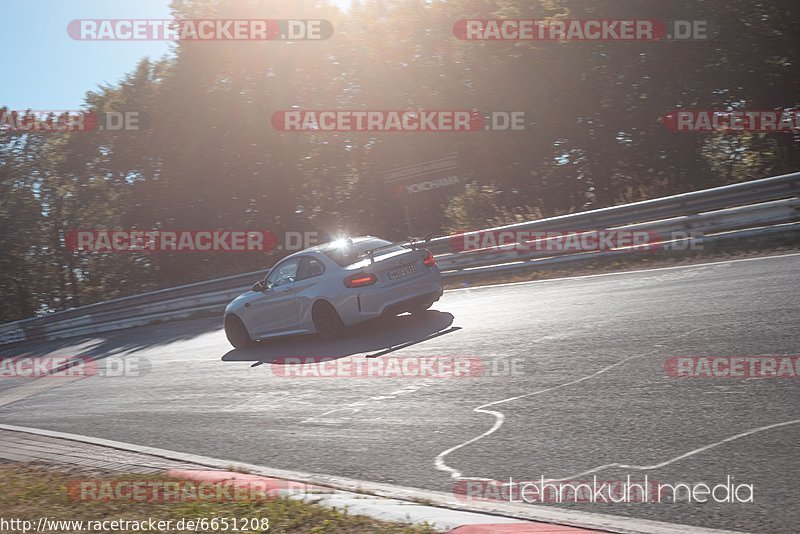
(573, 371)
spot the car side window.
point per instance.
(285, 273)
(310, 268)
(315, 267)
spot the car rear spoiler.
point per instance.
(371, 252)
(413, 243)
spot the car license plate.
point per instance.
(400, 273)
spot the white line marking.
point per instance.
(680, 457)
(366, 402)
(500, 417)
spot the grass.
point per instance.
(30, 492)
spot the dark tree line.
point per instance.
(209, 158)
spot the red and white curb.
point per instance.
(441, 511)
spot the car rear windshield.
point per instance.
(348, 255)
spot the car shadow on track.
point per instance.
(379, 336)
(129, 340)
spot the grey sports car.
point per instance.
(328, 287)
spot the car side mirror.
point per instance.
(258, 286)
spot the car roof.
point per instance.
(321, 248)
(329, 245)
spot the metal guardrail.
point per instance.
(726, 220)
(769, 204)
(775, 188)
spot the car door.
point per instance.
(274, 309)
(307, 290)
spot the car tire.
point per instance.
(327, 321)
(237, 333)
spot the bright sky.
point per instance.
(44, 69)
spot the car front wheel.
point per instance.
(237, 332)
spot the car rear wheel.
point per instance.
(326, 321)
(237, 332)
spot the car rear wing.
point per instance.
(413, 244)
(371, 252)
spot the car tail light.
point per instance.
(360, 280)
(429, 261)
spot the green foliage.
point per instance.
(480, 206)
